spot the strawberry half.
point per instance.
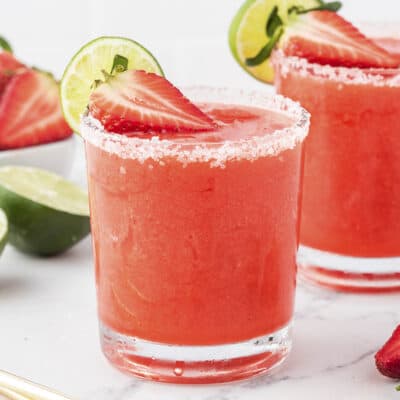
(322, 36)
(387, 359)
(30, 111)
(136, 100)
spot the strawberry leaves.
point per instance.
(5, 45)
(266, 51)
(120, 64)
(333, 6)
(274, 22)
(274, 30)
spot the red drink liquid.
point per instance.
(351, 203)
(195, 239)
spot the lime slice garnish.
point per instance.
(46, 214)
(248, 33)
(87, 65)
(3, 230)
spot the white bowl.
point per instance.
(56, 157)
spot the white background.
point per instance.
(189, 37)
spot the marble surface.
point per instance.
(48, 333)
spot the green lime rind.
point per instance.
(3, 230)
(38, 228)
(233, 28)
(86, 67)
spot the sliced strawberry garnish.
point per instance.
(135, 101)
(387, 359)
(324, 37)
(30, 111)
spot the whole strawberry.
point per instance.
(387, 359)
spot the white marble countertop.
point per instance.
(48, 333)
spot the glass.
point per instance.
(195, 241)
(350, 231)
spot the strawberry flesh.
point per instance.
(324, 37)
(9, 66)
(8, 62)
(387, 359)
(5, 78)
(137, 101)
(30, 111)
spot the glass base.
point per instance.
(195, 364)
(351, 274)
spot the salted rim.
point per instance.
(388, 77)
(216, 154)
(346, 75)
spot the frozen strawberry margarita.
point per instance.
(194, 211)
(350, 83)
(350, 217)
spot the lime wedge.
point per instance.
(46, 214)
(87, 65)
(247, 33)
(3, 230)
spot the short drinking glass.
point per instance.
(195, 239)
(350, 223)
